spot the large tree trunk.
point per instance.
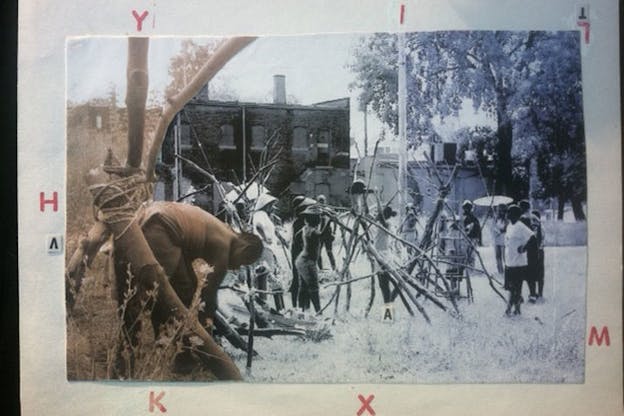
(504, 174)
(577, 208)
(136, 96)
(561, 200)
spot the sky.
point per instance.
(315, 66)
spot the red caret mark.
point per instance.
(154, 401)
(43, 201)
(139, 19)
(604, 336)
(366, 405)
(402, 14)
(585, 26)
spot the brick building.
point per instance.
(310, 141)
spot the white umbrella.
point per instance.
(492, 201)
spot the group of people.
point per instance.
(517, 237)
(518, 240)
(312, 232)
(519, 248)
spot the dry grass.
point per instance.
(94, 335)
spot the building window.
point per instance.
(226, 141)
(300, 139)
(185, 135)
(322, 147)
(98, 122)
(258, 137)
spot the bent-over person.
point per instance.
(177, 235)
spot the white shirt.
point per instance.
(517, 235)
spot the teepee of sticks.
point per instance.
(439, 266)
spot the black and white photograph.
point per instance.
(398, 208)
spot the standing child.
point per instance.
(517, 237)
(498, 236)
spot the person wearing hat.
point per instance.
(299, 203)
(327, 236)
(383, 248)
(517, 238)
(306, 262)
(266, 268)
(531, 221)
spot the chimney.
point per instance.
(279, 89)
(203, 93)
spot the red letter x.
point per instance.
(155, 401)
(366, 404)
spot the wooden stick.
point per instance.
(252, 322)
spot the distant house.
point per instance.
(229, 139)
(422, 181)
(103, 121)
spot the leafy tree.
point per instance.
(552, 115)
(184, 65)
(517, 77)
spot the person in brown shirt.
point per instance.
(177, 235)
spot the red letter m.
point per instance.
(604, 334)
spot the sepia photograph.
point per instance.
(330, 208)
